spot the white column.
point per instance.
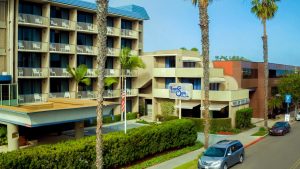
(12, 137)
(79, 129)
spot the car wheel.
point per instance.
(225, 166)
(241, 158)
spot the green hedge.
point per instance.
(3, 138)
(119, 149)
(109, 119)
(216, 125)
(243, 118)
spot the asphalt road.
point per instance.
(274, 152)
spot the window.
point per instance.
(110, 21)
(83, 87)
(57, 12)
(29, 34)
(59, 61)
(168, 81)
(59, 37)
(85, 60)
(189, 64)
(125, 24)
(85, 17)
(126, 43)
(170, 62)
(30, 8)
(277, 73)
(196, 82)
(214, 86)
(250, 73)
(31, 60)
(59, 85)
(128, 106)
(84, 39)
(128, 83)
(27, 86)
(109, 63)
(110, 42)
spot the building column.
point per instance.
(79, 129)
(12, 137)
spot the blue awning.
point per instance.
(5, 78)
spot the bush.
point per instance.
(3, 132)
(167, 108)
(119, 149)
(243, 118)
(131, 116)
(216, 125)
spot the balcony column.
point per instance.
(12, 137)
(79, 129)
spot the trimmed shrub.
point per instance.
(131, 116)
(216, 125)
(167, 108)
(3, 138)
(119, 149)
(243, 118)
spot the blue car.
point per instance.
(222, 155)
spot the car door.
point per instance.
(235, 153)
(229, 156)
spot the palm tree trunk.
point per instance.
(204, 25)
(102, 8)
(266, 71)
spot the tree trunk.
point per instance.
(102, 8)
(204, 25)
(266, 71)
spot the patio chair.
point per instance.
(53, 23)
(36, 46)
(21, 99)
(52, 72)
(65, 24)
(21, 72)
(90, 27)
(79, 49)
(90, 72)
(38, 21)
(37, 97)
(128, 91)
(51, 95)
(21, 45)
(111, 72)
(36, 72)
(90, 94)
(52, 47)
(67, 95)
(89, 49)
(128, 72)
(21, 19)
(110, 51)
(109, 31)
(67, 48)
(65, 72)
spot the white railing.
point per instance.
(112, 93)
(61, 47)
(91, 73)
(82, 49)
(130, 73)
(33, 72)
(113, 52)
(67, 95)
(87, 94)
(86, 27)
(59, 72)
(62, 23)
(112, 72)
(131, 92)
(32, 98)
(113, 31)
(129, 33)
(32, 46)
(33, 19)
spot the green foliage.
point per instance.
(261, 132)
(195, 49)
(183, 48)
(79, 74)
(231, 58)
(290, 84)
(3, 132)
(130, 62)
(118, 149)
(264, 9)
(108, 81)
(223, 124)
(243, 118)
(167, 108)
(275, 102)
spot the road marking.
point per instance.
(296, 164)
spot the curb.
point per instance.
(255, 141)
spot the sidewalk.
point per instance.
(245, 137)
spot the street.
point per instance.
(274, 152)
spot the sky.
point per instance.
(234, 30)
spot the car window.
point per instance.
(238, 146)
(215, 152)
(233, 148)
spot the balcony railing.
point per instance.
(62, 23)
(131, 92)
(60, 47)
(82, 26)
(91, 73)
(87, 95)
(130, 73)
(112, 93)
(113, 52)
(134, 52)
(33, 19)
(67, 95)
(32, 46)
(59, 72)
(32, 98)
(33, 72)
(112, 72)
(8, 94)
(113, 31)
(129, 33)
(82, 49)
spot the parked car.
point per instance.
(280, 128)
(222, 155)
(298, 116)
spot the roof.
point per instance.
(131, 11)
(224, 143)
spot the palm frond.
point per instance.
(86, 81)
(264, 9)
(110, 81)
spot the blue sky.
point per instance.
(234, 30)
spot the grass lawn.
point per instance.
(261, 132)
(189, 165)
(165, 157)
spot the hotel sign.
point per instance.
(181, 91)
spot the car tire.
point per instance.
(241, 158)
(225, 166)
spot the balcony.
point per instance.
(86, 27)
(185, 72)
(91, 73)
(129, 33)
(113, 52)
(87, 95)
(89, 50)
(59, 72)
(28, 19)
(33, 72)
(132, 92)
(67, 95)
(113, 31)
(61, 48)
(112, 94)
(62, 23)
(32, 98)
(32, 46)
(164, 72)
(8, 94)
(161, 93)
(130, 73)
(134, 52)
(111, 72)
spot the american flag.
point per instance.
(123, 101)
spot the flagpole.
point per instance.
(125, 124)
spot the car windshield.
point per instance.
(215, 152)
(279, 124)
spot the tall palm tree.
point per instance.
(265, 10)
(79, 74)
(128, 62)
(274, 103)
(204, 26)
(102, 10)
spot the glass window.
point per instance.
(109, 63)
(168, 81)
(31, 60)
(125, 24)
(250, 73)
(85, 17)
(110, 42)
(59, 61)
(29, 34)
(86, 60)
(30, 8)
(59, 85)
(128, 83)
(110, 21)
(126, 43)
(57, 12)
(84, 39)
(59, 37)
(189, 64)
(128, 106)
(170, 62)
(27, 86)
(214, 86)
(215, 152)
(196, 82)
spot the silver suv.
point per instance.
(222, 155)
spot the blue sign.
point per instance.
(288, 99)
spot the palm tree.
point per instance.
(204, 26)
(79, 75)
(274, 102)
(102, 10)
(128, 63)
(265, 10)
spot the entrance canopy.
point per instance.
(55, 111)
(217, 107)
(216, 80)
(212, 107)
(188, 105)
(191, 59)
